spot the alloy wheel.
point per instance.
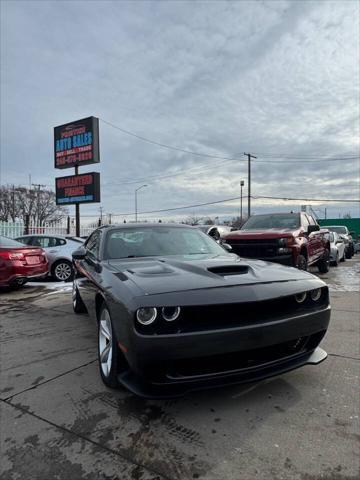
(63, 271)
(105, 343)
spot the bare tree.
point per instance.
(25, 204)
(193, 220)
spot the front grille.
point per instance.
(231, 315)
(255, 248)
(229, 362)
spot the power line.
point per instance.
(164, 145)
(221, 157)
(170, 175)
(255, 197)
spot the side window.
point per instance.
(93, 244)
(39, 242)
(45, 242)
(25, 240)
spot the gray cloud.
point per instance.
(215, 77)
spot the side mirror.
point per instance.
(79, 254)
(313, 228)
(227, 246)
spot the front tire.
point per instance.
(78, 304)
(302, 262)
(336, 261)
(108, 350)
(62, 271)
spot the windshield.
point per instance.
(289, 220)
(338, 229)
(9, 242)
(159, 241)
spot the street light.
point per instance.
(241, 187)
(142, 186)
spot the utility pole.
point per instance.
(241, 187)
(142, 186)
(38, 185)
(101, 212)
(249, 180)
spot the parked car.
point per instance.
(337, 248)
(357, 247)
(175, 311)
(58, 250)
(293, 239)
(343, 231)
(19, 263)
(215, 231)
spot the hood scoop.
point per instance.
(151, 270)
(226, 270)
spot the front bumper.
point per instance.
(171, 365)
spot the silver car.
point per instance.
(337, 248)
(58, 250)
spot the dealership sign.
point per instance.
(77, 143)
(84, 188)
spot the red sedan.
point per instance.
(20, 263)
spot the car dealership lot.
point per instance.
(59, 421)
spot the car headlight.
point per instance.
(146, 315)
(315, 294)
(300, 297)
(282, 242)
(170, 313)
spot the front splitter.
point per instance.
(173, 389)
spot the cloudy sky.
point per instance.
(279, 79)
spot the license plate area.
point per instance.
(33, 260)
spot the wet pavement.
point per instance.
(58, 421)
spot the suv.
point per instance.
(344, 233)
(293, 239)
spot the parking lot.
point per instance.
(58, 421)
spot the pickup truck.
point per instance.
(293, 239)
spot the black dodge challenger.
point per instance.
(176, 311)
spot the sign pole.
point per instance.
(77, 210)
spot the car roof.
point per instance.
(277, 213)
(144, 225)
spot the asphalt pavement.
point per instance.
(58, 421)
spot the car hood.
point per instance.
(155, 275)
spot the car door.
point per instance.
(340, 244)
(315, 239)
(90, 268)
(309, 245)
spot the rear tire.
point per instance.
(324, 264)
(109, 355)
(62, 271)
